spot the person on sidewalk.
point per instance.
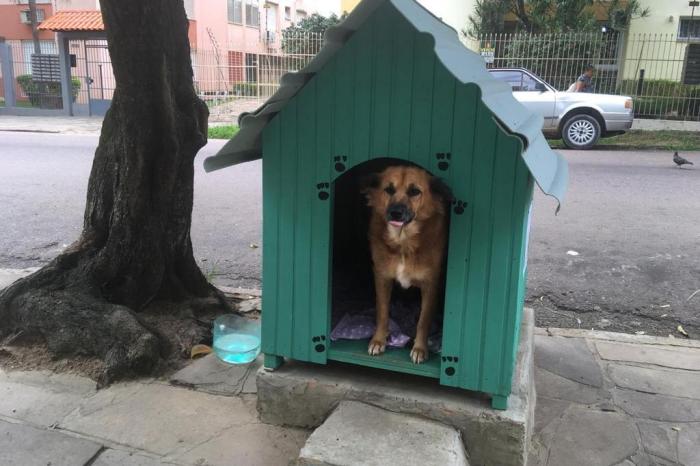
(584, 82)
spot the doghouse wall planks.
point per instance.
(384, 94)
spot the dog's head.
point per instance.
(404, 194)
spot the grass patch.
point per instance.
(646, 140)
(222, 132)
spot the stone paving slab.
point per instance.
(682, 384)
(211, 375)
(40, 397)
(678, 358)
(689, 445)
(660, 439)
(112, 457)
(585, 437)
(601, 335)
(559, 388)
(156, 418)
(569, 358)
(359, 434)
(23, 445)
(657, 407)
(248, 445)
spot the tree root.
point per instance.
(74, 320)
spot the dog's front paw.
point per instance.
(419, 355)
(376, 347)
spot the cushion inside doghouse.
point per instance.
(356, 321)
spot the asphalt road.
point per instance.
(623, 254)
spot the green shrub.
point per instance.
(222, 132)
(45, 95)
(245, 89)
(663, 97)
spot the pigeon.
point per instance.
(680, 161)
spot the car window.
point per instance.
(517, 80)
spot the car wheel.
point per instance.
(581, 132)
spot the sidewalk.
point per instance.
(54, 124)
(63, 124)
(603, 399)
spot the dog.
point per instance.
(407, 233)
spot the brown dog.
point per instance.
(407, 236)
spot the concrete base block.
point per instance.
(304, 395)
(360, 434)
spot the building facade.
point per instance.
(666, 44)
(453, 12)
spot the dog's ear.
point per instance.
(440, 188)
(369, 182)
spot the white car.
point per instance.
(579, 118)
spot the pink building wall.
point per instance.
(211, 14)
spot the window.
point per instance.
(691, 72)
(288, 13)
(689, 28)
(25, 16)
(251, 67)
(517, 80)
(270, 22)
(235, 11)
(252, 13)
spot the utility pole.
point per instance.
(35, 31)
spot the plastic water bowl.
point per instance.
(236, 339)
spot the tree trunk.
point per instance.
(35, 24)
(135, 245)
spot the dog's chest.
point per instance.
(402, 275)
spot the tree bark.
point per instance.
(135, 245)
(35, 24)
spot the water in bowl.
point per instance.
(237, 348)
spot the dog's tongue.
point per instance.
(394, 223)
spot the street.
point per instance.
(621, 255)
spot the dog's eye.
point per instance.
(390, 190)
(413, 191)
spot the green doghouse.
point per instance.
(394, 83)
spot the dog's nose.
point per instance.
(396, 215)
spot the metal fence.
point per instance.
(233, 81)
(660, 71)
(31, 92)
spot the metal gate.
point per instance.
(91, 75)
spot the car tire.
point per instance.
(581, 132)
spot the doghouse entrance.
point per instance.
(352, 286)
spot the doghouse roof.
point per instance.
(547, 167)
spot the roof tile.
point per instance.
(74, 20)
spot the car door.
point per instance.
(530, 92)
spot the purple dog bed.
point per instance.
(402, 323)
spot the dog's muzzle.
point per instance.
(399, 215)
